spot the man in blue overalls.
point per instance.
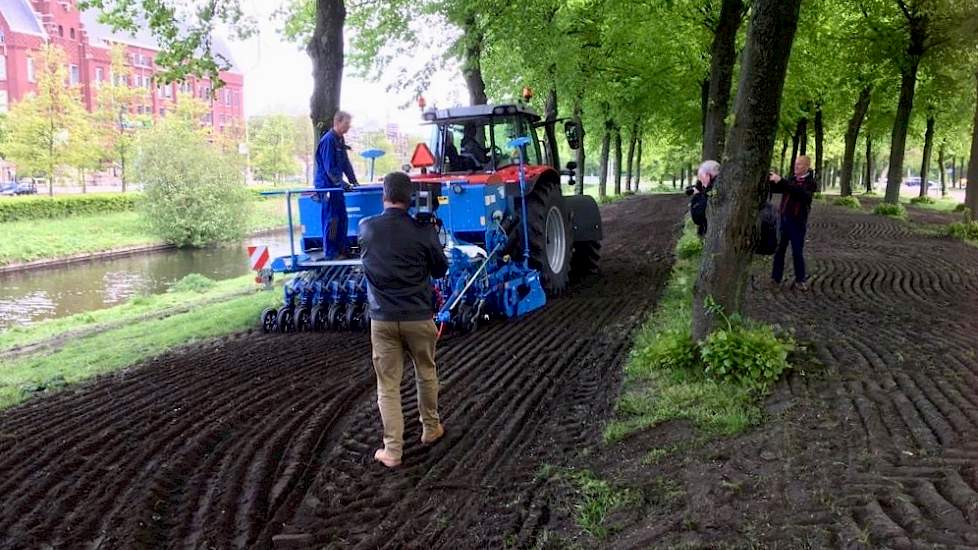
(332, 162)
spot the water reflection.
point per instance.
(30, 296)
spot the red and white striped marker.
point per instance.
(259, 257)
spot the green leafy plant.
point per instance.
(966, 231)
(960, 208)
(890, 210)
(752, 356)
(922, 200)
(848, 202)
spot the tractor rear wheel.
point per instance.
(550, 236)
(584, 260)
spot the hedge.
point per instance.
(35, 208)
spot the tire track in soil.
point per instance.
(228, 443)
(900, 336)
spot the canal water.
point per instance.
(33, 295)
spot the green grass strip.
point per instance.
(110, 350)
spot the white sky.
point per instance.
(278, 79)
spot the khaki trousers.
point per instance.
(390, 341)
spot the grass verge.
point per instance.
(124, 344)
(717, 384)
(53, 238)
(131, 311)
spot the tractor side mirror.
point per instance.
(572, 165)
(574, 133)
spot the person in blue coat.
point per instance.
(332, 163)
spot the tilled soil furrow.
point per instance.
(229, 443)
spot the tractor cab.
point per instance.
(474, 139)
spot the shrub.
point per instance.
(36, 208)
(960, 208)
(669, 349)
(194, 195)
(848, 202)
(193, 282)
(752, 356)
(890, 210)
(922, 200)
(964, 230)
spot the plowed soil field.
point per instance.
(246, 439)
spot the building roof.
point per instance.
(21, 18)
(102, 35)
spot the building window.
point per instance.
(30, 69)
(61, 31)
(72, 32)
(74, 74)
(3, 101)
(3, 38)
(3, 67)
(162, 112)
(98, 74)
(167, 90)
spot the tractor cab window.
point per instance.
(507, 129)
(482, 144)
(465, 146)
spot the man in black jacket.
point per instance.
(400, 256)
(796, 201)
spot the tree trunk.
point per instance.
(690, 175)
(472, 38)
(802, 136)
(869, 164)
(971, 191)
(122, 170)
(605, 146)
(819, 143)
(579, 187)
(794, 154)
(638, 166)
(632, 139)
(326, 51)
(784, 150)
(852, 135)
(925, 163)
(898, 139)
(954, 170)
(704, 106)
(940, 163)
(728, 248)
(550, 115)
(674, 181)
(723, 56)
(617, 169)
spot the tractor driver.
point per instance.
(400, 256)
(471, 146)
(332, 163)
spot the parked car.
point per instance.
(915, 182)
(8, 188)
(27, 186)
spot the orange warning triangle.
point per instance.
(422, 157)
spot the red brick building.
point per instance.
(26, 24)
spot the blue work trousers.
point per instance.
(334, 220)
(792, 233)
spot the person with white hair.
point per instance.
(699, 194)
